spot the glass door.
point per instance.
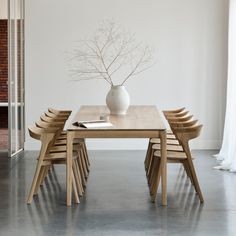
(16, 75)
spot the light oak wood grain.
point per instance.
(137, 118)
(139, 122)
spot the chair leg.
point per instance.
(39, 180)
(152, 171)
(150, 164)
(81, 171)
(75, 189)
(147, 158)
(156, 181)
(77, 178)
(156, 167)
(86, 166)
(152, 176)
(34, 182)
(194, 178)
(186, 168)
(86, 152)
(83, 164)
(47, 168)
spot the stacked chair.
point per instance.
(49, 130)
(183, 128)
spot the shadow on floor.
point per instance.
(117, 200)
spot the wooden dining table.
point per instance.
(139, 122)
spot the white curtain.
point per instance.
(227, 155)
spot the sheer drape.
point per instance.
(227, 155)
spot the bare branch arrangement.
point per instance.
(111, 54)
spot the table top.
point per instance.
(137, 118)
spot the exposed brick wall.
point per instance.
(3, 73)
(4, 68)
(3, 117)
(3, 61)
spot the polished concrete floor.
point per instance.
(117, 201)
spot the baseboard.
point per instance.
(128, 144)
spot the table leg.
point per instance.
(69, 149)
(163, 167)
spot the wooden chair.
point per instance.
(59, 117)
(179, 119)
(179, 116)
(50, 119)
(60, 145)
(53, 113)
(59, 112)
(184, 135)
(46, 159)
(170, 147)
(179, 110)
(62, 138)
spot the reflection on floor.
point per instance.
(3, 139)
(117, 201)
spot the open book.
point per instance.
(93, 124)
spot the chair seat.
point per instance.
(169, 132)
(62, 148)
(169, 141)
(172, 155)
(170, 136)
(176, 148)
(63, 142)
(58, 156)
(62, 136)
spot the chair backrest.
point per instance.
(46, 136)
(173, 115)
(34, 132)
(46, 118)
(53, 122)
(50, 119)
(44, 124)
(184, 134)
(58, 112)
(37, 132)
(179, 119)
(188, 123)
(174, 111)
(187, 133)
(58, 117)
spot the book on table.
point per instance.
(93, 124)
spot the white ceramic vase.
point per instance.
(118, 100)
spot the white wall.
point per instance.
(3, 9)
(15, 9)
(190, 37)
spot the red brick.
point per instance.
(3, 62)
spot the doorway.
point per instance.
(12, 126)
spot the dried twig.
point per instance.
(110, 51)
